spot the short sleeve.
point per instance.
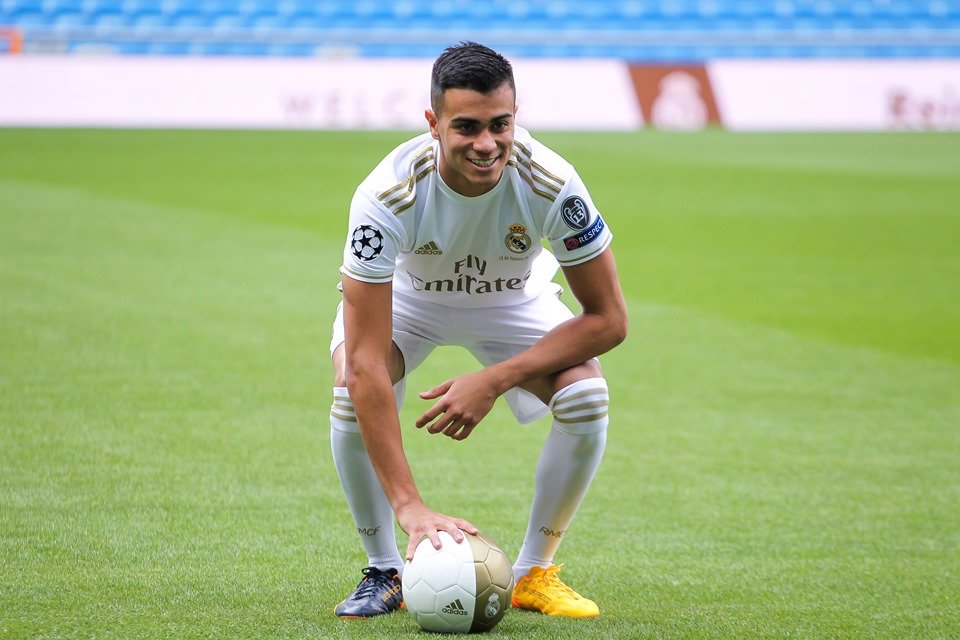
(575, 229)
(373, 242)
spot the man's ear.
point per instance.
(432, 121)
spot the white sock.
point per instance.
(371, 510)
(568, 462)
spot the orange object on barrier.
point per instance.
(14, 37)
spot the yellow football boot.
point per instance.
(544, 591)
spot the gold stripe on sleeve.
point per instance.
(401, 197)
(549, 195)
(536, 166)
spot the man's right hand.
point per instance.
(420, 522)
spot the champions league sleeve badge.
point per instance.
(575, 213)
(366, 242)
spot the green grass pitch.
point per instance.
(784, 449)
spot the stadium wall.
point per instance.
(559, 94)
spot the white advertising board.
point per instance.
(100, 91)
(837, 94)
(792, 95)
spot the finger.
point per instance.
(453, 429)
(432, 413)
(442, 424)
(464, 432)
(466, 525)
(435, 539)
(437, 391)
(460, 429)
(429, 415)
(455, 533)
(411, 547)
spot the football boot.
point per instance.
(379, 592)
(543, 590)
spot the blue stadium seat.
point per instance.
(57, 6)
(98, 6)
(188, 19)
(148, 20)
(65, 19)
(681, 8)
(30, 17)
(741, 8)
(143, 6)
(112, 19)
(226, 21)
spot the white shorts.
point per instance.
(491, 334)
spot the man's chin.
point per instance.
(488, 177)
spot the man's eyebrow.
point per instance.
(466, 120)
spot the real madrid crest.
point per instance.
(517, 240)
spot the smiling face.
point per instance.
(475, 131)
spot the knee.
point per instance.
(582, 406)
(342, 415)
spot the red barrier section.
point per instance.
(14, 39)
(675, 97)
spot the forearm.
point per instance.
(575, 341)
(370, 363)
(600, 327)
(376, 409)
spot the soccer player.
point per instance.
(444, 248)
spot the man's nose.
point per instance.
(485, 142)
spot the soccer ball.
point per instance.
(459, 588)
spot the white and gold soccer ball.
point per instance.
(459, 588)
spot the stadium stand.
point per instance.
(639, 30)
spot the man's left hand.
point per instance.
(465, 401)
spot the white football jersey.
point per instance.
(407, 226)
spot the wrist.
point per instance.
(413, 502)
(500, 379)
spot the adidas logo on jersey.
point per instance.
(455, 608)
(430, 249)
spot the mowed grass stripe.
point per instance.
(755, 473)
(778, 475)
(157, 365)
(819, 234)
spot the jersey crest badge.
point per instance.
(517, 240)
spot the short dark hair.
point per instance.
(468, 65)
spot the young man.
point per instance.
(444, 248)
